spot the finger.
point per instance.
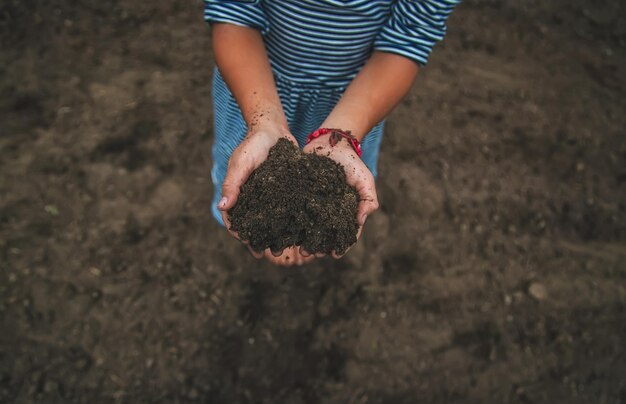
(368, 198)
(320, 255)
(292, 256)
(273, 260)
(367, 205)
(226, 220)
(276, 253)
(255, 254)
(369, 201)
(304, 252)
(287, 259)
(239, 169)
(270, 257)
(290, 259)
(283, 259)
(358, 232)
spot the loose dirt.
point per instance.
(296, 199)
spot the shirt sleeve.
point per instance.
(245, 13)
(414, 27)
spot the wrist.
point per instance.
(350, 118)
(274, 129)
(323, 143)
(333, 139)
(269, 121)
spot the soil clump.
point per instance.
(296, 199)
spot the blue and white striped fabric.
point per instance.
(316, 47)
(305, 109)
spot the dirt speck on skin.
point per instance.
(296, 199)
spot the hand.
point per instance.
(249, 77)
(357, 175)
(250, 153)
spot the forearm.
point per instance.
(243, 63)
(375, 91)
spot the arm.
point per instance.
(375, 91)
(242, 60)
(404, 42)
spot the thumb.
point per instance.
(369, 200)
(238, 172)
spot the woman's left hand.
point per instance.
(357, 175)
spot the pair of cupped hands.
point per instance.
(254, 149)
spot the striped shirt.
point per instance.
(324, 43)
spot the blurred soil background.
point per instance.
(494, 272)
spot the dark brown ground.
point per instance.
(296, 199)
(494, 272)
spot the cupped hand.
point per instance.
(357, 175)
(246, 158)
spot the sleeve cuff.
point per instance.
(414, 28)
(243, 14)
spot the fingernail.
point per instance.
(222, 202)
(363, 219)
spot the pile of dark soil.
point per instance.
(296, 199)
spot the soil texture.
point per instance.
(296, 199)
